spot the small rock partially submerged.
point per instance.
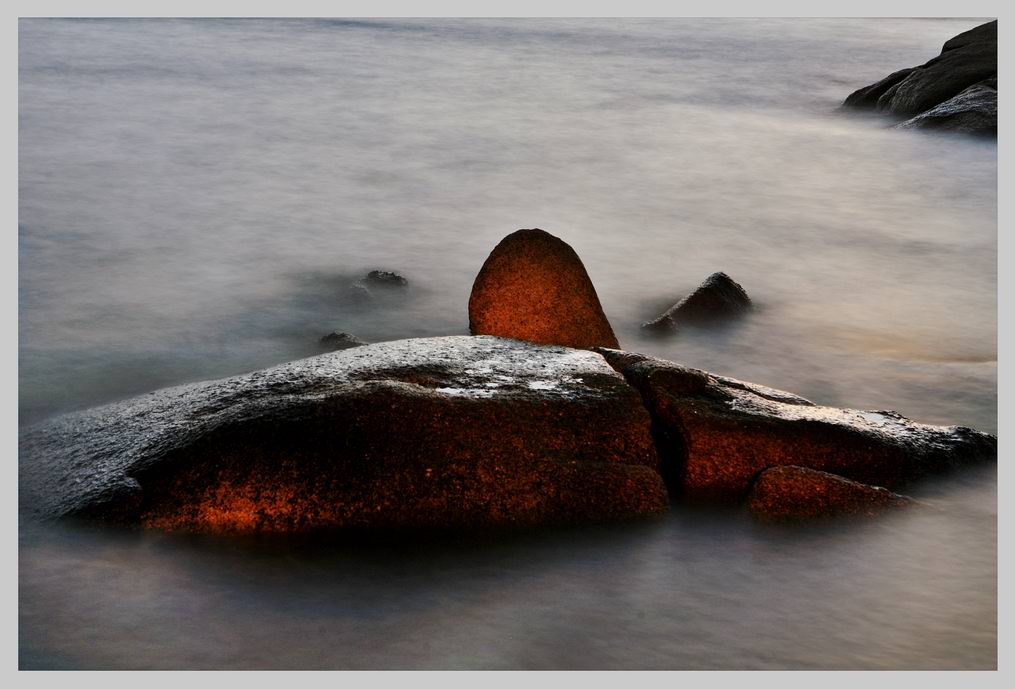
(336, 341)
(384, 278)
(715, 434)
(438, 432)
(718, 297)
(793, 493)
(943, 86)
(534, 287)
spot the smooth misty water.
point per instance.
(196, 197)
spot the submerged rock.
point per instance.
(534, 287)
(716, 434)
(450, 431)
(966, 60)
(718, 297)
(384, 278)
(336, 341)
(793, 493)
(358, 294)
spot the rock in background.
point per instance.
(956, 91)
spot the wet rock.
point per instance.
(793, 493)
(384, 278)
(718, 297)
(439, 432)
(336, 341)
(974, 111)
(534, 287)
(965, 60)
(721, 432)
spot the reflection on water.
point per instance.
(689, 591)
(196, 197)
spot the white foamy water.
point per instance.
(196, 197)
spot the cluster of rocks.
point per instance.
(537, 417)
(363, 292)
(956, 91)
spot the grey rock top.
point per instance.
(90, 455)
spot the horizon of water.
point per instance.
(196, 197)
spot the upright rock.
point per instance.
(438, 432)
(967, 60)
(716, 434)
(534, 287)
(717, 298)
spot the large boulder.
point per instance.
(718, 297)
(715, 434)
(450, 431)
(792, 493)
(965, 60)
(534, 287)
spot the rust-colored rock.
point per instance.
(716, 434)
(534, 287)
(439, 432)
(792, 493)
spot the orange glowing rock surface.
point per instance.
(789, 493)
(534, 287)
(721, 433)
(430, 433)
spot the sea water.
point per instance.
(196, 198)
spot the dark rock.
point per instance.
(868, 96)
(441, 432)
(718, 297)
(974, 111)
(793, 493)
(384, 278)
(967, 59)
(723, 432)
(336, 341)
(534, 287)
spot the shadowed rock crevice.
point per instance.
(668, 436)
